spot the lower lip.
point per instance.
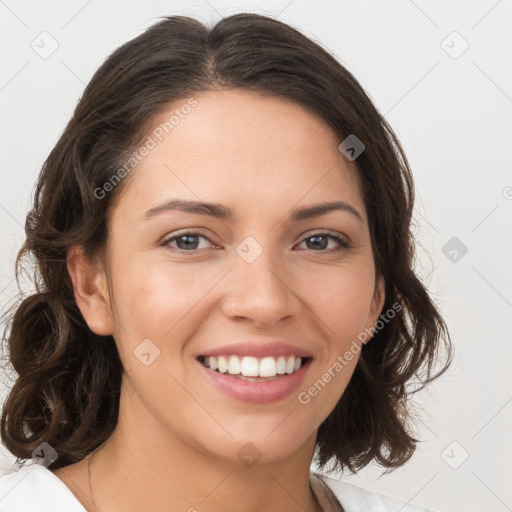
(257, 392)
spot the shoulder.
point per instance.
(355, 499)
(34, 488)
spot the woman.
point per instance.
(226, 285)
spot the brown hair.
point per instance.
(68, 385)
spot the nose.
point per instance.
(261, 291)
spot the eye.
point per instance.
(186, 242)
(320, 240)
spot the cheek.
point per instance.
(342, 300)
(343, 306)
(163, 303)
(153, 297)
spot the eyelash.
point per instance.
(343, 243)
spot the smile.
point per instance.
(248, 366)
(255, 380)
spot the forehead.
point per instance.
(241, 148)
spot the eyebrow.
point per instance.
(222, 212)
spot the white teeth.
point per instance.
(222, 364)
(253, 367)
(268, 367)
(281, 365)
(234, 365)
(249, 367)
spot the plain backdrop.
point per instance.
(440, 72)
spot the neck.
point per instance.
(157, 470)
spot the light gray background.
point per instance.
(453, 114)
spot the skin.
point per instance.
(176, 443)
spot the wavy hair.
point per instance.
(67, 388)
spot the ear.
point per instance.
(376, 306)
(91, 291)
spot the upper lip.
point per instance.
(258, 349)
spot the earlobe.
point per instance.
(91, 291)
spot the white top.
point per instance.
(34, 488)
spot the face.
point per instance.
(273, 282)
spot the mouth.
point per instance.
(259, 388)
(255, 372)
(254, 369)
